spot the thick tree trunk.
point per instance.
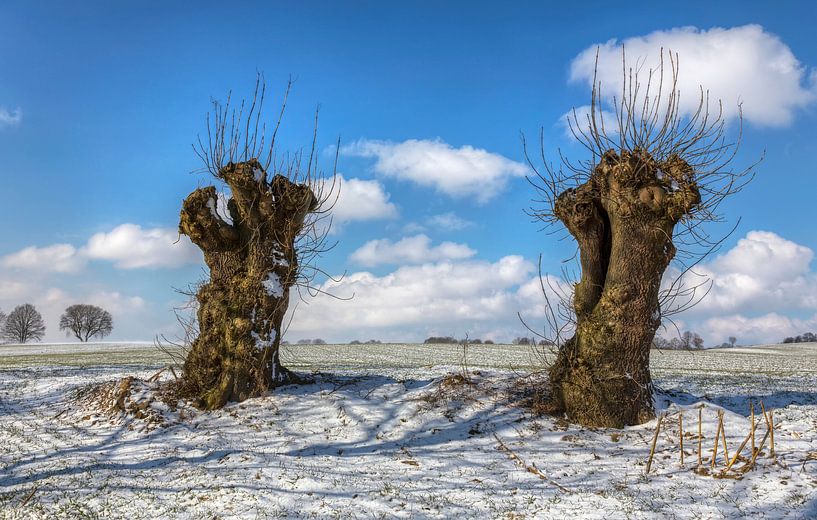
(623, 219)
(253, 264)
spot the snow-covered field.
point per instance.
(382, 433)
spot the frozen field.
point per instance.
(378, 436)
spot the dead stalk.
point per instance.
(723, 436)
(681, 434)
(654, 441)
(700, 437)
(740, 448)
(752, 413)
(717, 437)
(769, 426)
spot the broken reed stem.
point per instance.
(700, 437)
(717, 437)
(751, 463)
(769, 426)
(737, 453)
(654, 441)
(723, 436)
(752, 413)
(681, 434)
(771, 438)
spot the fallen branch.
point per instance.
(28, 497)
(529, 468)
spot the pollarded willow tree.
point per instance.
(655, 175)
(274, 227)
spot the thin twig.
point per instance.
(529, 468)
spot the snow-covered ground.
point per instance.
(386, 434)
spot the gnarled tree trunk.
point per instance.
(623, 218)
(253, 264)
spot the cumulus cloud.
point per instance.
(129, 247)
(409, 250)
(767, 328)
(762, 276)
(413, 302)
(361, 200)
(10, 117)
(59, 258)
(764, 271)
(741, 64)
(457, 172)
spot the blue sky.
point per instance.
(101, 102)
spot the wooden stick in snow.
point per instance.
(700, 437)
(752, 413)
(771, 437)
(681, 433)
(737, 453)
(717, 437)
(723, 435)
(654, 440)
(770, 427)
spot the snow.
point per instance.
(258, 174)
(260, 343)
(273, 285)
(393, 438)
(211, 203)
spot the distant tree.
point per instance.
(374, 342)
(808, 337)
(304, 342)
(318, 341)
(24, 324)
(441, 340)
(2, 321)
(523, 341)
(86, 321)
(488, 342)
(285, 342)
(697, 341)
(660, 343)
(732, 341)
(475, 341)
(355, 342)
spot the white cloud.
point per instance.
(412, 250)
(740, 64)
(413, 302)
(59, 258)
(360, 200)
(458, 172)
(448, 222)
(763, 272)
(763, 276)
(768, 328)
(129, 247)
(10, 117)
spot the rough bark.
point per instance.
(253, 264)
(623, 218)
